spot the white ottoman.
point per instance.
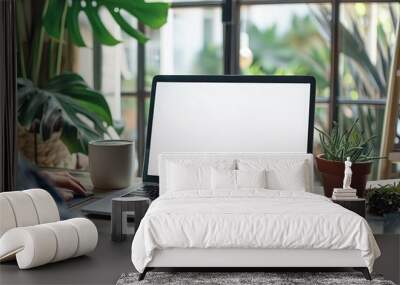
(31, 232)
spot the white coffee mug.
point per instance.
(111, 163)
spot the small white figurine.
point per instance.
(347, 174)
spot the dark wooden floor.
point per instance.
(103, 266)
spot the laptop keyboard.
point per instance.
(149, 191)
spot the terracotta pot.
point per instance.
(332, 173)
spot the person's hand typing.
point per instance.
(65, 184)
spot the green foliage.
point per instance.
(152, 14)
(384, 199)
(299, 50)
(208, 60)
(66, 103)
(361, 76)
(50, 100)
(337, 145)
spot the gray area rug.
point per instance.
(269, 278)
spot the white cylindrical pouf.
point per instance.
(46, 207)
(67, 239)
(7, 218)
(87, 234)
(23, 208)
(37, 245)
(33, 246)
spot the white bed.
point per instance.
(248, 227)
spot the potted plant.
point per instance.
(384, 199)
(336, 146)
(58, 113)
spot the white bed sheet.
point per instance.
(250, 218)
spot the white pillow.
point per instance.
(192, 173)
(282, 174)
(290, 179)
(223, 179)
(251, 178)
(236, 179)
(187, 177)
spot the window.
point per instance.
(347, 46)
(367, 39)
(366, 35)
(190, 43)
(286, 39)
(129, 115)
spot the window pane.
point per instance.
(129, 115)
(371, 122)
(397, 137)
(146, 113)
(190, 43)
(146, 109)
(111, 62)
(320, 122)
(321, 116)
(129, 61)
(287, 39)
(367, 36)
(198, 1)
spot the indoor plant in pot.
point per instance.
(384, 199)
(336, 146)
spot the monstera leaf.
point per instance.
(66, 12)
(65, 104)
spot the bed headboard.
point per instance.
(164, 158)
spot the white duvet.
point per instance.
(250, 219)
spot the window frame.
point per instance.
(8, 96)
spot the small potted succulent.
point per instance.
(384, 199)
(336, 146)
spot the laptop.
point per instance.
(221, 114)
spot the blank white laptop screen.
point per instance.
(229, 117)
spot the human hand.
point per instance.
(65, 184)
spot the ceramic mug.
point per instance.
(111, 163)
